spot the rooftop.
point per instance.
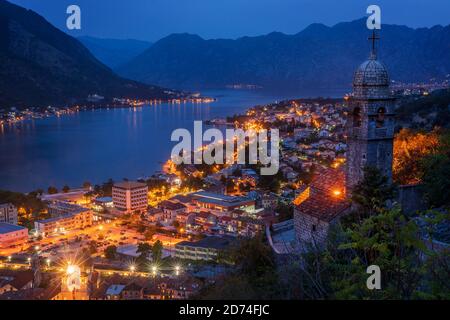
(7, 228)
(64, 216)
(129, 185)
(104, 199)
(115, 289)
(218, 243)
(172, 205)
(325, 198)
(219, 199)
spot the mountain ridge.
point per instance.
(317, 56)
(41, 65)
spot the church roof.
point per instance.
(325, 197)
(371, 73)
(371, 79)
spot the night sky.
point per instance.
(154, 19)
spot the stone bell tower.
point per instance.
(371, 121)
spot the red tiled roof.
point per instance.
(225, 219)
(323, 201)
(171, 205)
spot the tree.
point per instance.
(107, 188)
(285, 211)
(87, 185)
(110, 252)
(157, 251)
(148, 235)
(271, 183)
(389, 240)
(30, 205)
(254, 272)
(372, 193)
(176, 224)
(52, 190)
(436, 177)
(92, 247)
(410, 148)
(436, 181)
(141, 228)
(144, 249)
(66, 189)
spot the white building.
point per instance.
(8, 213)
(130, 197)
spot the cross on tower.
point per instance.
(374, 38)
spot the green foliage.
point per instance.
(438, 101)
(436, 178)
(271, 183)
(372, 193)
(52, 190)
(255, 275)
(194, 183)
(285, 211)
(110, 252)
(157, 251)
(144, 249)
(30, 202)
(391, 241)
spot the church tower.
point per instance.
(371, 121)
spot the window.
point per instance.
(380, 117)
(314, 228)
(357, 117)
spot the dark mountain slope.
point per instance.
(318, 56)
(114, 52)
(41, 65)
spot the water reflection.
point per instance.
(101, 144)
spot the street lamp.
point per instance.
(337, 193)
(133, 268)
(154, 270)
(177, 270)
(48, 262)
(9, 258)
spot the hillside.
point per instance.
(114, 52)
(317, 57)
(41, 65)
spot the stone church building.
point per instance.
(370, 139)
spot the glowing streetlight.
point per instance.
(177, 270)
(154, 270)
(337, 193)
(48, 261)
(36, 248)
(133, 268)
(9, 258)
(71, 269)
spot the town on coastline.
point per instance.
(175, 234)
(13, 115)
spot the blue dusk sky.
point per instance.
(153, 19)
